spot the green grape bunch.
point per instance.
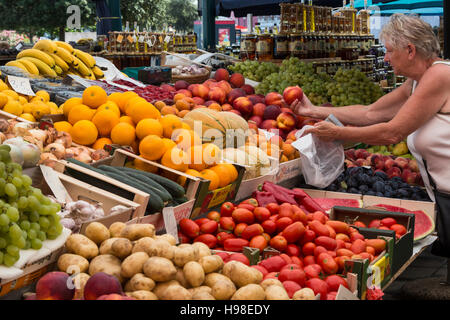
(254, 70)
(27, 217)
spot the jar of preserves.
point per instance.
(264, 47)
(280, 46)
(248, 47)
(332, 46)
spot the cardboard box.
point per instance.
(289, 170)
(247, 187)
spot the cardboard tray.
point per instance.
(288, 170)
(247, 187)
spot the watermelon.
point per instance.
(328, 203)
(423, 224)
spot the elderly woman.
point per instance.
(418, 110)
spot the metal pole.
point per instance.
(446, 29)
(209, 25)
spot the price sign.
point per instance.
(119, 38)
(167, 39)
(80, 80)
(21, 85)
(170, 222)
(130, 39)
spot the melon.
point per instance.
(423, 224)
(328, 203)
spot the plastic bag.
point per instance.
(321, 161)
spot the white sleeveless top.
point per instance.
(432, 142)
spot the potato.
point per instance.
(194, 274)
(168, 237)
(80, 281)
(213, 277)
(181, 278)
(105, 247)
(133, 264)
(183, 255)
(143, 245)
(116, 228)
(142, 295)
(106, 263)
(97, 232)
(137, 231)
(212, 263)
(223, 289)
(82, 246)
(269, 282)
(121, 248)
(200, 289)
(161, 287)
(249, 292)
(161, 248)
(202, 295)
(203, 249)
(275, 292)
(140, 282)
(159, 269)
(72, 263)
(241, 274)
(176, 292)
(304, 294)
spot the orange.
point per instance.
(182, 179)
(94, 96)
(159, 105)
(23, 100)
(178, 96)
(168, 144)
(132, 102)
(44, 94)
(84, 132)
(223, 174)
(53, 107)
(3, 99)
(143, 110)
(11, 93)
(144, 166)
(105, 120)
(211, 154)
(62, 126)
(168, 110)
(101, 142)
(40, 109)
(283, 158)
(175, 159)
(116, 97)
(184, 125)
(185, 139)
(151, 147)
(3, 85)
(14, 107)
(126, 119)
(71, 103)
(196, 156)
(148, 126)
(109, 105)
(123, 134)
(288, 149)
(210, 175)
(80, 112)
(170, 122)
(124, 98)
(231, 170)
(29, 117)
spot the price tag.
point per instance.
(170, 223)
(80, 80)
(130, 39)
(19, 46)
(21, 85)
(167, 39)
(52, 179)
(119, 38)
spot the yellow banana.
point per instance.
(91, 76)
(30, 66)
(44, 68)
(60, 62)
(73, 71)
(98, 72)
(64, 45)
(45, 45)
(17, 64)
(64, 54)
(37, 54)
(58, 70)
(87, 59)
(81, 67)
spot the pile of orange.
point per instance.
(183, 103)
(275, 147)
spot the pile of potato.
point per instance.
(152, 267)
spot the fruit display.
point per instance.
(399, 150)
(254, 70)
(56, 59)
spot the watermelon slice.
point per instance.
(423, 224)
(328, 203)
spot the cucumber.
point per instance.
(172, 187)
(84, 165)
(152, 185)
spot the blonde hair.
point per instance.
(403, 29)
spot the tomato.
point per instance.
(319, 286)
(293, 250)
(298, 261)
(308, 236)
(356, 235)
(223, 255)
(269, 226)
(298, 214)
(308, 248)
(266, 236)
(319, 228)
(208, 239)
(285, 211)
(293, 274)
(209, 227)
(375, 223)
(261, 269)
(189, 228)
(261, 214)
(273, 264)
(332, 253)
(340, 244)
(388, 222)
(335, 281)
(343, 237)
(331, 230)
(273, 218)
(235, 245)
(286, 258)
(326, 242)
(370, 250)
(239, 257)
(251, 231)
(310, 259)
(214, 215)
(271, 275)
(318, 250)
(359, 224)
(273, 208)
(344, 252)
(399, 229)
(201, 221)
(279, 243)
(247, 206)
(282, 223)
(294, 231)
(327, 263)
(320, 216)
(222, 236)
(312, 271)
(291, 266)
(377, 244)
(291, 287)
(243, 215)
(341, 262)
(258, 242)
(227, 223)
(338, 226)
(226, 209)
(183, 238)
(251, 201)
(331, 295)
(239, 228)
(358, 246)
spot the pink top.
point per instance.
(432, 143)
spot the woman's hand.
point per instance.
(325, 130)
(304, 107)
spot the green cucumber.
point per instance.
(84, 165)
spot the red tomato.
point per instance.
(282, 223)
(227, 223)
(326, 242)
(226, 209)
(251, 201)
(285, 211)
(189, 228)
(261, 269)
(298, 261)
(359, 224)
(286, 258)
(293, 250)
(269, 226)
(312, 271)
(273, 208)
(291, 287)
(273, 217)
(299, 215)
(261, 214)
(388, 222)
(222, 236)
(310, 259)
(329, 266)
(375, 223)
(399, 229)
(208, 239)
(239, 228)
(356, 235)
(279, 243)
(318, 250)
(223, 255)
(292, 274)
(201, 221)
(334, 282)
(341, 262)
(214, 215)
(320, 216)
(340, 244)
(319, 228)
(332, 232)
(239, 257)
(293, 232)
(342, 237)
(308, 248)
(183, 238)
(247, 206)
(251, 231)
(308, 236)
(291, 266)
(258, 242)
(358, 246)
(273, 264)
(331, 295)
(266, 236)
(318, 286)
(242, 215)
(235, 245)
(209, 227)
(271, 275)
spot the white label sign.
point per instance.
(170, 222)
(21, 85)
(52, 179)
(80, 80)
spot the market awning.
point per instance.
(421, 11)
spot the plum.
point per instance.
(378, 187)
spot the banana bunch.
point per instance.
(57, 58)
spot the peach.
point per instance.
(235, 93)
(362, 162)
(274, 98)
(198, 100)
(215, 106)
(408, 176)
(256, 98)
(413, 165)
(361, 154)
(167, 87)
(225, 86)
(207, 103)
(257, 119)
(222, 74)
(115, 296)
(286, 121)
(186, 92)
(252, 125)
(308, 122)
(268, 124)
(243, 105)
(394, 172)
(258, 109)
(236, 112)
(181, 84)
(248, 89)
(201, 91)
(276, 139)
(290, 94)
(401, 162)
(291, 135)
(210, 83)
(237, 80)
(350, 154)
(55, 285)
(389, 163)
(271, 112)
(191, 87)
(100, 284)
(217, 94)
(227, 107)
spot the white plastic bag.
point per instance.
(321, 161)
